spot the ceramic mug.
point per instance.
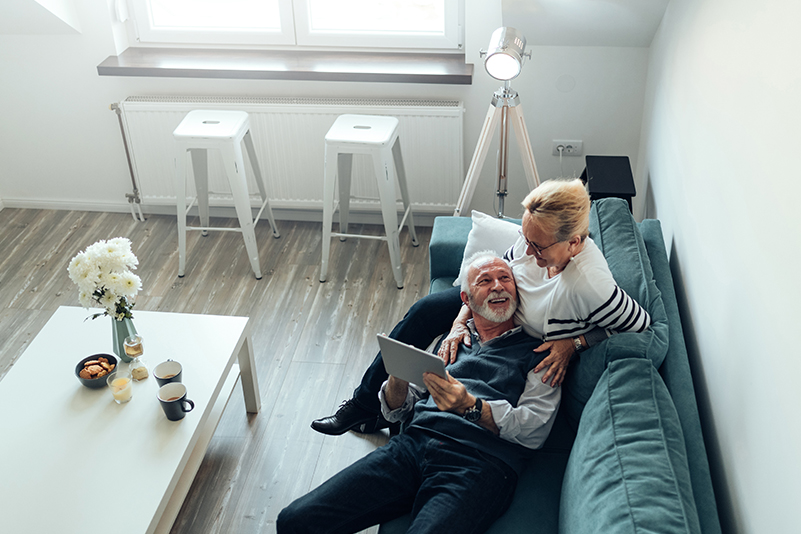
(172, 398)
(166, 372)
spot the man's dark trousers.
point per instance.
(447, 486)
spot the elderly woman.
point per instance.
(567, 295)
(566, 291)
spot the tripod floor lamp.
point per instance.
(504, 61)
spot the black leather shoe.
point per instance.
(349, 416)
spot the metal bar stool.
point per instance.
(198, 132)
(376, 136)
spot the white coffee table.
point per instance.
(73, 461)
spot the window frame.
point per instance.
(451, 40)
(295, 33)
(145, 34)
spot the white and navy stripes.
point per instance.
(582, 297)
(620, 313)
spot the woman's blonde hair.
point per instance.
(561, 207)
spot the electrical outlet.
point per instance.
(569, 148)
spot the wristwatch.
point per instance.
(473, 414)
(579, 346)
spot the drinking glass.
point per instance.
(120, 384)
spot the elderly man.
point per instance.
(455, 467)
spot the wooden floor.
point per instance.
(312, 341)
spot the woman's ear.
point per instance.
(574, 243)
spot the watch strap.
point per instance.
(473, 414)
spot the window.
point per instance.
(430, 24)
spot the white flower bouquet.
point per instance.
(103, 275)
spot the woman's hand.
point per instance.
(561, 351)
(450, 345)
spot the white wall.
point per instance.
(720, 144)
(60, 145)
(592, 94)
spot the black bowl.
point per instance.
(100, 381)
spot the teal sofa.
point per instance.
(626, 454)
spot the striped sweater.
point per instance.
(575, 301)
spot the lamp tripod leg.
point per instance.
(524, 144)
(514, 115)
(480, 154)
(503, 161)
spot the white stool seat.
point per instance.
(354, 130)
(214, 125)
(378, 137)
(225, 131)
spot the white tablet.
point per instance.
(407, 362)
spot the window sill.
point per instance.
(290, 65)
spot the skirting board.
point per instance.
(421, 216)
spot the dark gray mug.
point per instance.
(166, 372)
(172, 398)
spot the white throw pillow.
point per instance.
(488, 233)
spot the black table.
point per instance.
(609, 176)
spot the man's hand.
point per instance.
(561, 351)
(449, 394)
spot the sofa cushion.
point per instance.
(616, 233)
(628, 470)
(488, 233)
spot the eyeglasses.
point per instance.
(538, 249)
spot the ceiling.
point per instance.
(38, 17)
(585, 22)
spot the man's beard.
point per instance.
(491, 315)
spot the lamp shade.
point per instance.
(504, 59)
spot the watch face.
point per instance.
(472, 415)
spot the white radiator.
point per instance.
(289, 137)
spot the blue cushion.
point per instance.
(628, 470)
(616, 233)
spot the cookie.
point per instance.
(92, 362)
(94, 370)
(140, 373)
(85, 374)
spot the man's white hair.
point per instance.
(476, 260)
